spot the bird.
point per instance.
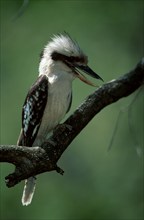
(50, 97)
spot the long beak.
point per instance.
(87, 70)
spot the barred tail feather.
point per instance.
(28, 191)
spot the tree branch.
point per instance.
(30, 161)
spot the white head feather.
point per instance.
(62, 44)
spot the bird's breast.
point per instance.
(59, 97)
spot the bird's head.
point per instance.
(62, 49)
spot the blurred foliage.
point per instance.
(97, 184)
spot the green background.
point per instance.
(97, 184)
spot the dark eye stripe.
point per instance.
(57, 56)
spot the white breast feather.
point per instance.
(59, 94)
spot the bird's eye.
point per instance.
(71, 59)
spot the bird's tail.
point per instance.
(28, 191)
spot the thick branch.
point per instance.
(34, 160)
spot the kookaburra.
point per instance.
(50, 97)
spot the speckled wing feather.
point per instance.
(33, 110)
